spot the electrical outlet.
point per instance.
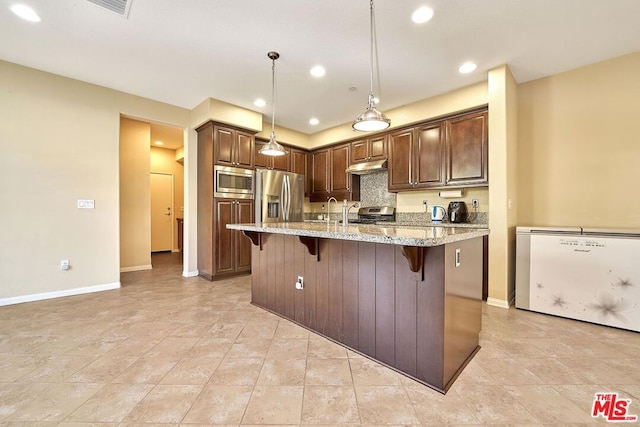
(64, 264)
(300, 283)
(475, 203)
(425, 205)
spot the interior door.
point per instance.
(161, 212)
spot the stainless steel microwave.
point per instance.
(234, 183)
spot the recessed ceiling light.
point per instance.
(159, 143)
(314, 121)
(318, 71)
(25, 12)
(422, 15)
(259, 102)
(467, 67)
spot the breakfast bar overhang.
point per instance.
(408, 297)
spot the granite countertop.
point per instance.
(390, 234)
(427, 223)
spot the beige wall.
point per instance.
(163, 160)
(411, 201)
(135, 202)
(285, 135)
(60, 143)
(580, 146)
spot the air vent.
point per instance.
(121, 7)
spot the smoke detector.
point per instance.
(121, 7)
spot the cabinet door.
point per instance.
(359, 151)
(260, 160)
(340, 179)
(224, 141)
(298, 159)
(467, 150)
(224, 238)
(244, 214)
(378, 148)
(400, 160)
(299, 165)
(281, 163)
(320, 175)
(428, 171)
(244, 150)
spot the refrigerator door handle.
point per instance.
(287, 198)
(282, 202)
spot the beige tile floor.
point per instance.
(165, 350)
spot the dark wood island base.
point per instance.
(417, 310)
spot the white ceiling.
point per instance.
(182, 52)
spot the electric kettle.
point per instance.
(438, 214)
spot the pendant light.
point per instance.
(273, 148)
(372, 119)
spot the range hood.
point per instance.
(367, 167)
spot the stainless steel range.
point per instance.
(375, 214)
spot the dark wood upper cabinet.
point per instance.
(429, 141)
(339, 165)
(467, 149)
(366, 150)
(401, 161)
(320, 175)
(299, 165)
(233, 147)
(344, 186)
(329, 177)
(450, 152)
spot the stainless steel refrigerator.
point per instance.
(279, 196)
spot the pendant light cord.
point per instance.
(273, 95)
(373, 47)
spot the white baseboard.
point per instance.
(136, 268)
(190, 273)
(58, 294)
(495, 302)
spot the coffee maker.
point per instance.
(457, 212)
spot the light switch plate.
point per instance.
(86, 204)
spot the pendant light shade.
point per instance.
(273, 148)
(372, 119)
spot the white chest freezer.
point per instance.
(580, 273)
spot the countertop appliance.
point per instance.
(438, 214)
(375, 214)
(279, 196)
(457, 212)
(589, 274)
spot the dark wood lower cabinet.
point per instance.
(229, 253)
(364, 296)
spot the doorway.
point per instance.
(150, 152)
(161, 212)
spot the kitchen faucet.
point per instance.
(329, 208)
(345, 212)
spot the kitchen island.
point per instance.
(408, 297)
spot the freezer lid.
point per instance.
(547, 230)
